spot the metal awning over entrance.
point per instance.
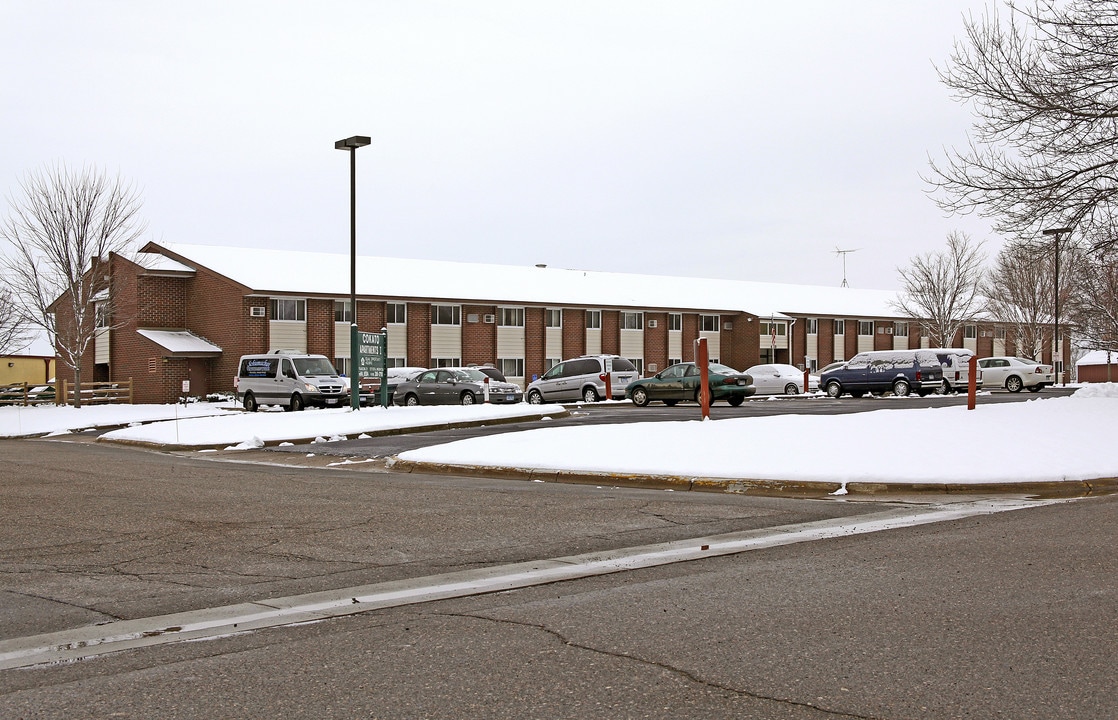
(181, 343)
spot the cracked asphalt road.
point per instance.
(1001, 616)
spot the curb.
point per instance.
(563, 412)
(758, 486)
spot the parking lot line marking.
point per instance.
(79, 643)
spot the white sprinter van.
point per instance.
(292, 381)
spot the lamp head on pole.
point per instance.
(1056, 231)
(352, 143)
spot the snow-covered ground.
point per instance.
(1042, 439)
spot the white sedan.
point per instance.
(1014, 373)
(780, 379)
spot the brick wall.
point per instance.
(534, 341)
(479, 338)
(574, 333)
(320, 327)
(690, 334)
(611, 332)
(655, 341)
(419, 334)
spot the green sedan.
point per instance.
(681, 382)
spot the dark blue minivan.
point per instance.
(897, 371)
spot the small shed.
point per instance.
(1098, 366)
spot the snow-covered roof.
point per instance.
(158, 263)
(180, 342)
(325, 274)
(1098, 357)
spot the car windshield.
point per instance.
(1027, 361)
(469, 375)
(309, 367)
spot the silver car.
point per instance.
(454, 386)
(1014, 373)
(583, 378)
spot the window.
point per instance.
(999, 333)
(770, 329)
(812, 326)
(675, 321)
(632, 320)
(900, 329)
(840, 326)
(396, 362)
(101, 314)
(865, 327)
(446, 315)
(342, 366)
(286, 309)
(510, 317)
(709, 323)
(343, 311)
(395, 313)
(553, 318)
(812, 365)
(970, 331)
(674, 361)
(445, 362)
(593, 319)
(511, 367)
(638, 363)
(549, 363)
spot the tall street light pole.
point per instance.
(350, 145)
(1057, 361)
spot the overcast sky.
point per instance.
(713, 139)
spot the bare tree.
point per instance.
(941, 291)
(14, 334)
(1043, 83)
(65, 223)
(1093, 308)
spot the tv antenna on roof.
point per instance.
(844, 253)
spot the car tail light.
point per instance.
(602, 377)
(919, 376)
(1040, 369)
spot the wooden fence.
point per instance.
(65, 393)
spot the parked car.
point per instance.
(898, 371)
(681, 382)
(1014, 373)
(582, 378)
(454, 386)
(492, 372)
(956, 369)
(780, 379)
(370, 387)
(831, 366)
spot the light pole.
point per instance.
(1057, 364)
(350, 145)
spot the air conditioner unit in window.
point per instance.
(256, 312)
(652, 323)
(490, 319)
(888, 331)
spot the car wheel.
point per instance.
(250, 402)
(1034, 388)
(670, 403)
(834, 389)
(467, 398)
(297, 402)
(640, 397)
(791, 389)
(736, 400)
(901, 388)
(411, 399)
(590, 395)
(943, 388)
(535, 397)
(1013, 383)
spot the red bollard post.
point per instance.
(702, 359)
(972, 381)
(485, 388)
(807, 381)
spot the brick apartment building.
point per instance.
(179, 313)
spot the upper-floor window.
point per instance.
(446, 315)
(289, 309)
(776, 328)
(343, 311)
(999, 333)
(101, 314)
(632, 320)
(395, 313)
(553, 318)
(900, 329)
(865, 327)
(709, 323)
(970, 331)
(675, 321)
(840, 326)
(812, 326)
(510, 317)
(593, 319)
